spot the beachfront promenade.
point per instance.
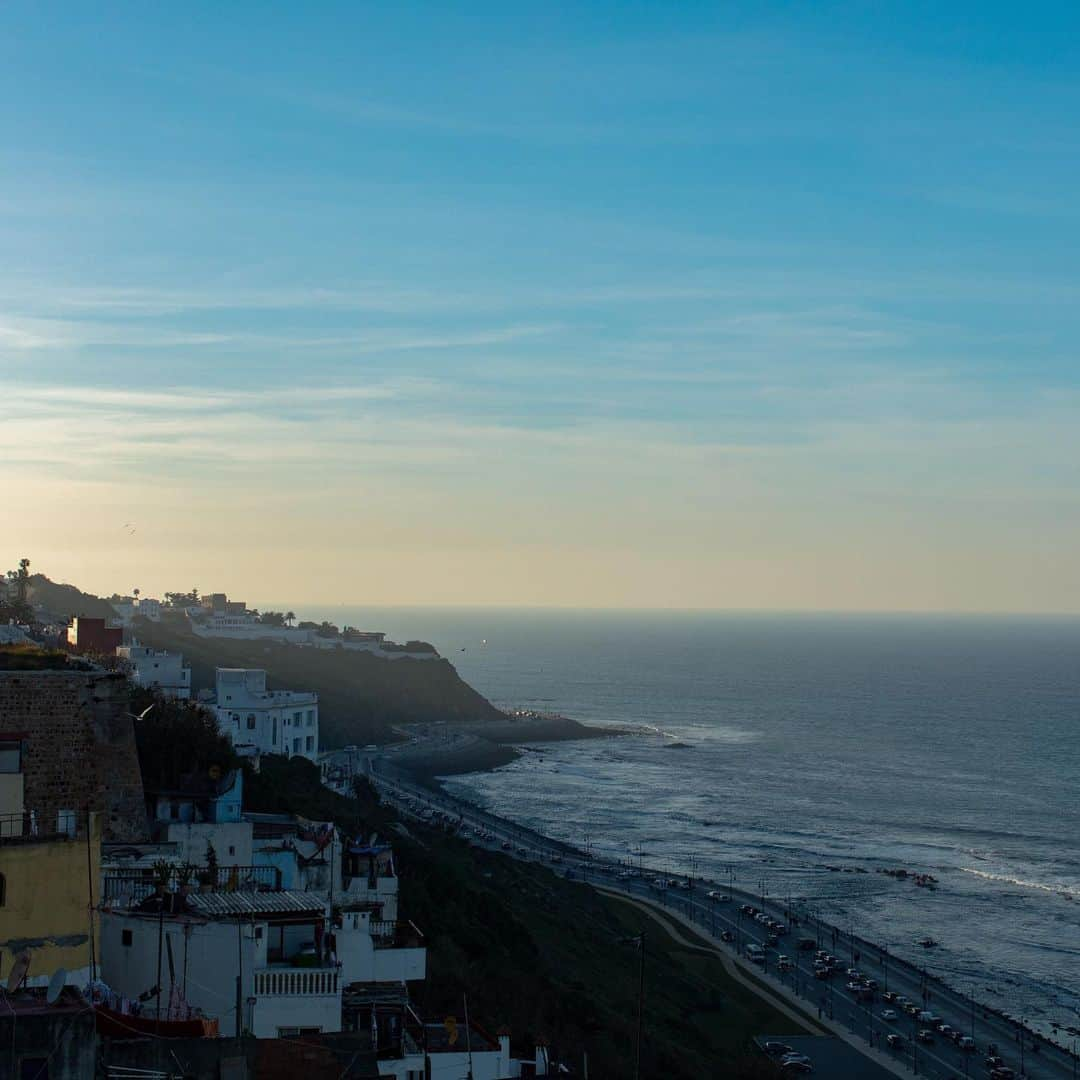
(828, 1000)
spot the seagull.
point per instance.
(142, 715)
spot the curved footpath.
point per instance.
(839, 1012)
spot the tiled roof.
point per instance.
(288, 901)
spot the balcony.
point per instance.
(399, 954)
(30, 827)
(396, 935)
(296, 982)
(132, 886)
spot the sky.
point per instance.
(737, 306)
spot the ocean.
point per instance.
(806, 754)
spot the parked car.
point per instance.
(967, 1044)
(777, 1049)
(888, 1014)
(895, 1041)
(789, 1068)
(925, 1036)
(726, 935)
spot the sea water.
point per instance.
(804, 755)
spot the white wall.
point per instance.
(212, 951)
(193, 838)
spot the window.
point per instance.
(297, 745)
(251, 721)
(298, 718)
(10, 756)
(311, 717)
(125, 937)
(310, 743)
(258, 933)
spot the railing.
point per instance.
(136, 884)
(293, 982)
(388, 934)
(29, 825)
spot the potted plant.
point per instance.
(163, 872)
(208, 877)
(185, 875)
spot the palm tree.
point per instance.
(290, 617)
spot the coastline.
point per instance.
(455, 749)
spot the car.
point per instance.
(794, 1056)
(776, 1049)
(911, 1009)
(506, 845)
(792, 1067)
(726, 935)
(747, 909)
(888, 1014)
(967, 1044)
(993, 1061)
(896, 1042)
(925, 1036)
(853, 973)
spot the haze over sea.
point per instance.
(938, 744)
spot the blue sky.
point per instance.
(760, 305)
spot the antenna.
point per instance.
(18, 972)
(56, 985)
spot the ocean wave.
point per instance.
(1007, 879)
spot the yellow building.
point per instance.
(48, 874)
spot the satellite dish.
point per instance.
(18, 972)
(56, 985)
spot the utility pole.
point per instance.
(640, 1005)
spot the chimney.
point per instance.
(541, 1058)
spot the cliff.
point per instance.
(360, 696)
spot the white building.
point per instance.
(158, 670)
(148, 608)
(271, 721)
(270, 940)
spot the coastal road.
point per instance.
(942, 1059)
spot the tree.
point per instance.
(175, 739)
(18, 608)
(290, 617)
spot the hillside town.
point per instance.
(149, 916)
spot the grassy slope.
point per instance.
(67, 600)
(544, 956)
(360, 696)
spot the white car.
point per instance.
(888, 1014)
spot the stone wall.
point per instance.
(79, 747)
